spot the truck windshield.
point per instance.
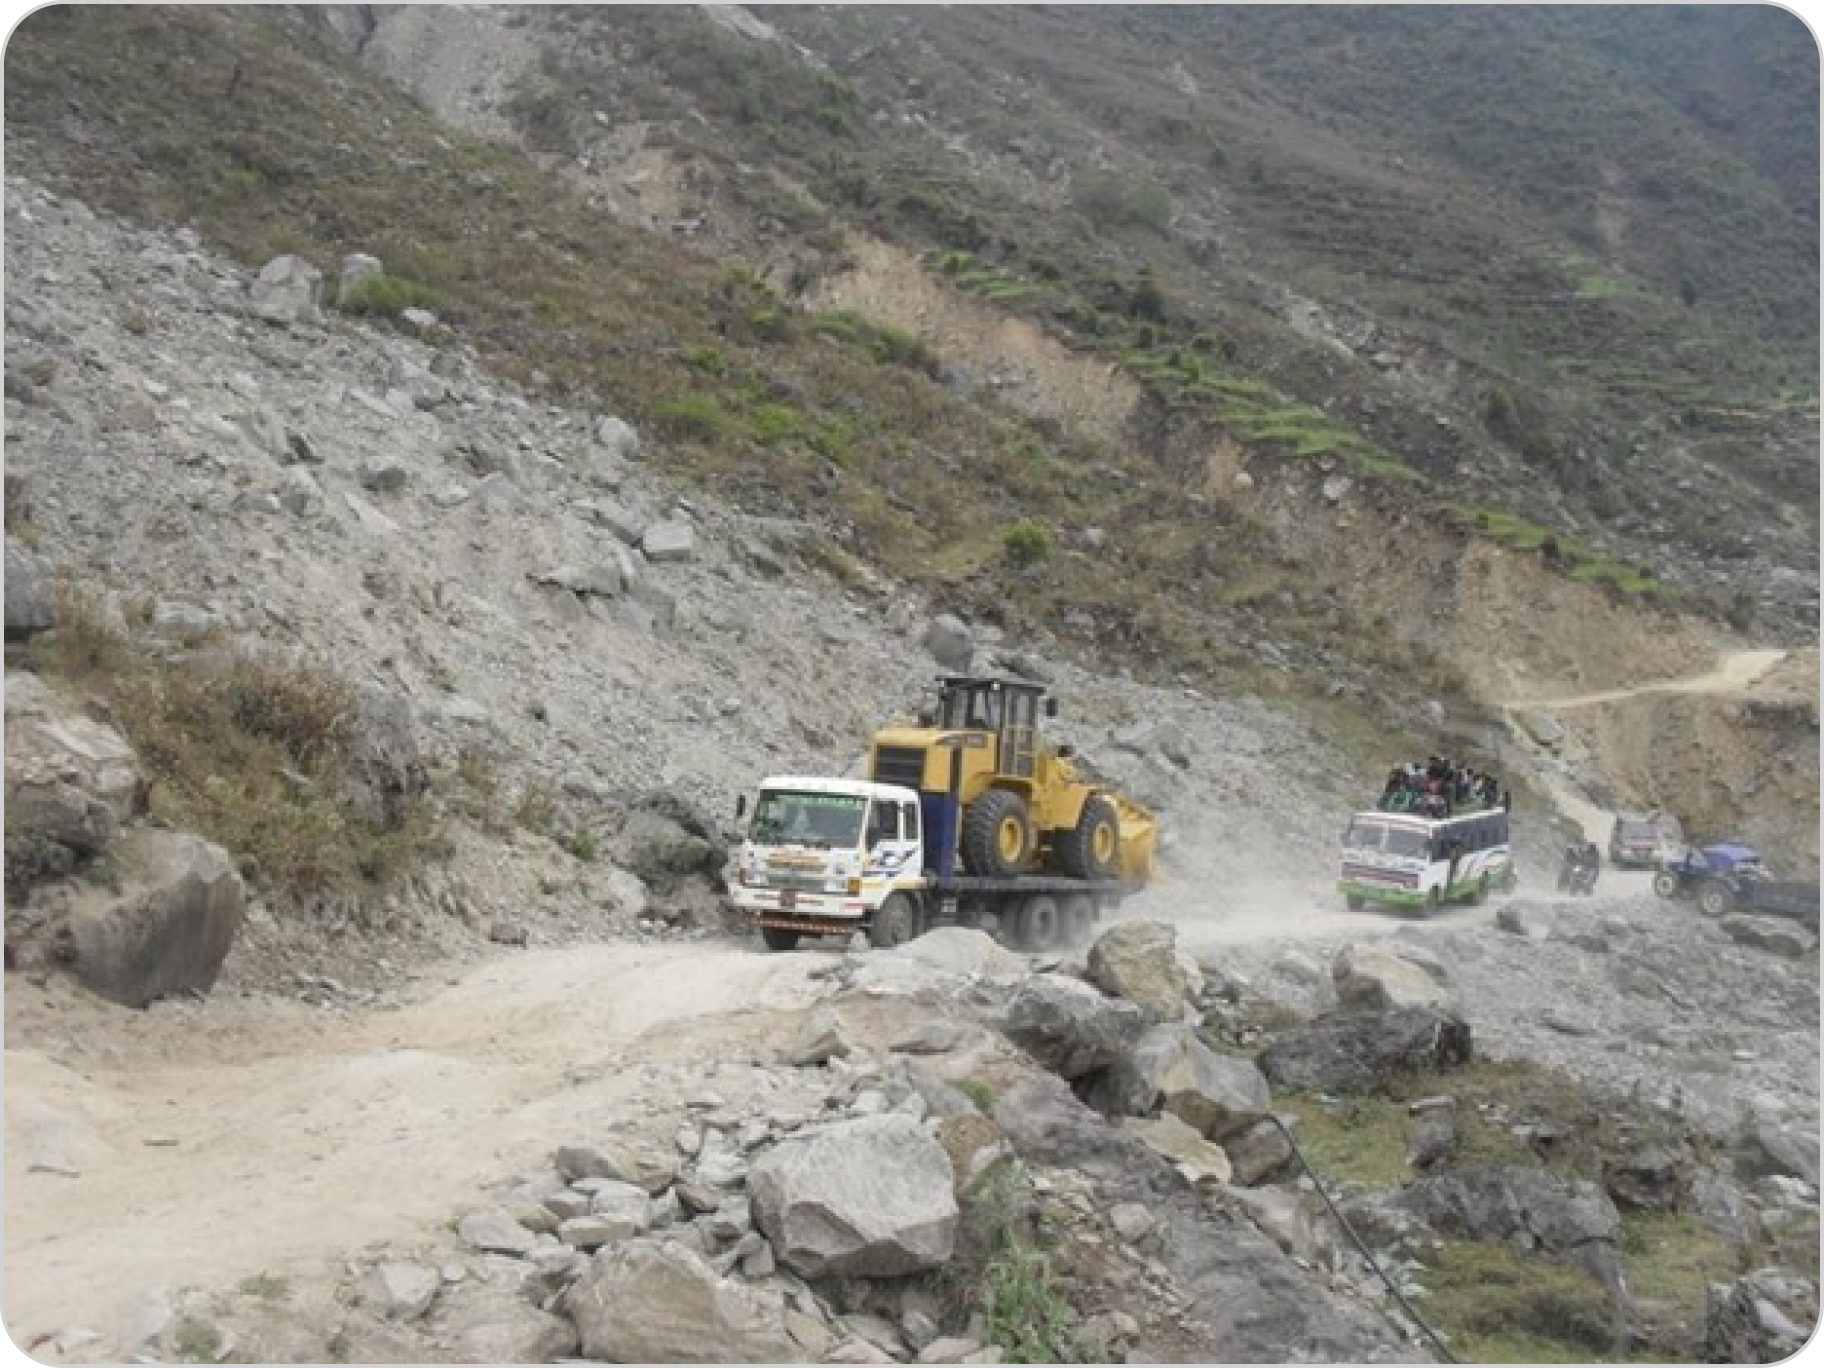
(830, 821)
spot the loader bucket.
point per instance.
(1139, 841)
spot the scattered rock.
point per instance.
(949, 642)
(1138, 961)
(400, 1291)
(1065, 1024)
(867, 1198)
(818, 1041)
(1370, 978)
(29, 608)
(1775, 936)
(651, 1301)
(495, 1232)
(669, 541)
(1203, 1164)
(1171, 1069)
(1762, 1317)
(1352, 1051)
(170, 925)
(287, 290)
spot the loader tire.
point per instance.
(1092, 848)
(997, 835)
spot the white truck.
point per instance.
(833, 856)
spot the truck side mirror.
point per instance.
(740, 806)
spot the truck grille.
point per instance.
(903, 765)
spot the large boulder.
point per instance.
(1171, 1070)
(1065, 1024)
(1787, 939)
(493, 1322)
(667, 845)
(1353, 1051)
(1203, 1165)
(1370, 978)
(392, 771)
(618, 438)
(949, 642)
(1139, 961)
(657, 1301)
(50, 738)
(170, 925)
(1768, 1148)
(287, 290)
(1762, 1317)
(1534, 1209)
(29, 607)
(873, 1197)
(960, 950)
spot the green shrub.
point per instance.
(255, 753)
(1111, 201)
(385, 296)
(696, 418)
(1028, 543)
(1029, 1317)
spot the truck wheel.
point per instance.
(1714, 898)
(779, 938)
(1666, 885)
(1355, 902)
(997, 835)
(894, 924)
(1091, 848)
(1038, 923)
(1079, 918)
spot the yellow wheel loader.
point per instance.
(1004, 802)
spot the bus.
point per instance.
(1403, 859)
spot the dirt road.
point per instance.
(200, 1144)
(1734, 673)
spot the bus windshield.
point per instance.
(829, 821)
(1394, 840)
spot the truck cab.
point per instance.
(821, 848)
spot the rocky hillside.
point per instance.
(449, 465)
(958, 422)
(1515, 291)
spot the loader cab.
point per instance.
(1008, 709)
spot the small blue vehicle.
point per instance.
(1730, 877)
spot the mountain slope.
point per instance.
(1147, 439)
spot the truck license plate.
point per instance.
(788, 899)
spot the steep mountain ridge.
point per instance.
(1061, 155)
(1263, 550)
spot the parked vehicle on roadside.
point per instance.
(1645, 840)
(1731, 877)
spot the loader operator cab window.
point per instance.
(985, 709)
(972, 708)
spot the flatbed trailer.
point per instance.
(1039, 912)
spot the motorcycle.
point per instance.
(1577, 874)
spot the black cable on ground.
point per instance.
(1366, 1253)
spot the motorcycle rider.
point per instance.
(1582, 863)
